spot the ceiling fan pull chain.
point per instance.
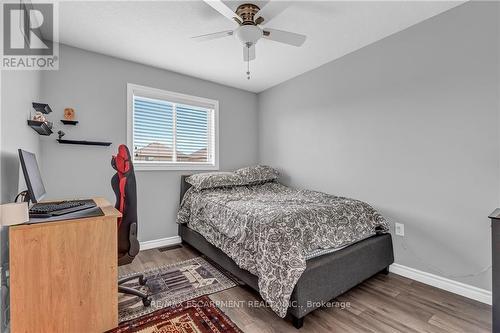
(248, 61)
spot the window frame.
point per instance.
(178, 98)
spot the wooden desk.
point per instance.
(63, 275)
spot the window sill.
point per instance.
(174, 167)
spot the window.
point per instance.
(171, 131)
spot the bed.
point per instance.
(323, 277)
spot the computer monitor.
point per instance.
(32, 176)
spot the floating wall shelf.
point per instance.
(41, 127)
(69, 122)
(41, 107)
(45, 128)
(84, 142)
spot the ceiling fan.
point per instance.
(251, 28)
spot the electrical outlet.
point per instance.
(400, 229)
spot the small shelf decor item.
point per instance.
(39, 117)
(69, 114)
(80, 142)
(41, 107)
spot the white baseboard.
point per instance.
(478, 294)
(155, 243)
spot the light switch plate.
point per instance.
(400, 229)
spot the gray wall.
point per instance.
(409, 124)
(18, 90)
(96, 86)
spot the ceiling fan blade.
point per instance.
(272, 9)
(284, 37)
(219, 6)
(215, 35)
(249, 53)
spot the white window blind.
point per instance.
(153, 130)
(172, 131)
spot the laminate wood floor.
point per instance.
(384, 303)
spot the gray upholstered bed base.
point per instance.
(325, 277)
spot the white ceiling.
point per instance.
(157, 33)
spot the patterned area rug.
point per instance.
(172, 284)
(195, 316)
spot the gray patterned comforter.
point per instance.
(269, 228)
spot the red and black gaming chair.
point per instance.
(124, 186)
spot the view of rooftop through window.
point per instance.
(169, 132)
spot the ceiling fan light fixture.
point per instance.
(250, 18)
(248, 34)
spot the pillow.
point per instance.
(206, 180)
(257, 174)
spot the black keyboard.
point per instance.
(60, 208)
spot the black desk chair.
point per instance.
(124, 186)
